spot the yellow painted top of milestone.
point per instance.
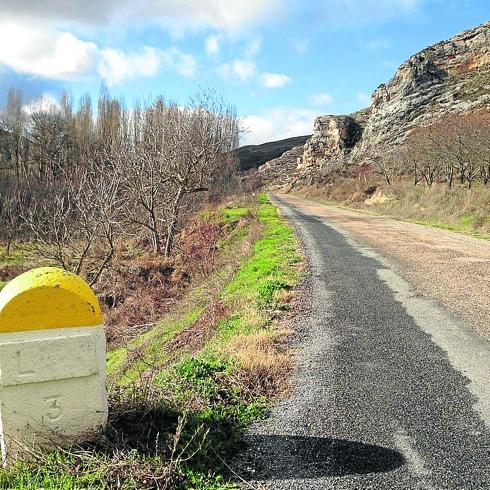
(45, 298)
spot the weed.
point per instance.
(267, 292)
(263, 199)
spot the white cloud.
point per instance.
(184, 64)
(45, 53)
(253, 47)
(322, 99)
(354, 12)
(239, 70)
(222, 14)
(244, 69)
(364, 98)
(59, 55)
(45, 103)
(274, 80)
(212, 45)
(89, 11)
(115, 66)
(278, 123)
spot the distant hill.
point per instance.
(253, 156)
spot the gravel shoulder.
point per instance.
(451, 268)
(391, 389)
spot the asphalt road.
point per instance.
(391, 390)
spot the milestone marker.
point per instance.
(52, 361)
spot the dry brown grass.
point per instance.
(142, 287)
(264, 359)
(192, 339)
(10, 271)
(459, 208)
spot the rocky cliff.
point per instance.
(450, 76)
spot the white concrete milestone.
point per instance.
(52, 361)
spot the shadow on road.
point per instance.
(314, 457)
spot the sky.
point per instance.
(281, 63)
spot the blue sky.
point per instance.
(280, 62)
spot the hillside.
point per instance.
(253, 156)
(450, 77)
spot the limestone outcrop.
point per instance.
(334, 137)
(449, 77)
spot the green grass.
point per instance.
(270, 269)
(250, 296)
(149, 347)
(464, 227)
(25, 476)
(206, 388)
(226, 410)
(270, 254)
(15, 257)
(231, 215)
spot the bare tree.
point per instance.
(76, 222)
(143, 166)
(424, 155)
(478, 135)
(53, 144)
(386, 165)
(410, 162)
(10, 220)
(175, 155)
(85, 179)
(204, 135)
(12, 127)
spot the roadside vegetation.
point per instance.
(114, 194)
(147, 205)
(439, 176)
(81, 188)
(184, 390)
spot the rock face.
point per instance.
(282, 171)
(333, 138)
(449, 77)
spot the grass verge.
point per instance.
(457, 209)
(183, 393)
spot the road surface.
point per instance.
(392, 389)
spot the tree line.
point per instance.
(74, 181)
(455, 148)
